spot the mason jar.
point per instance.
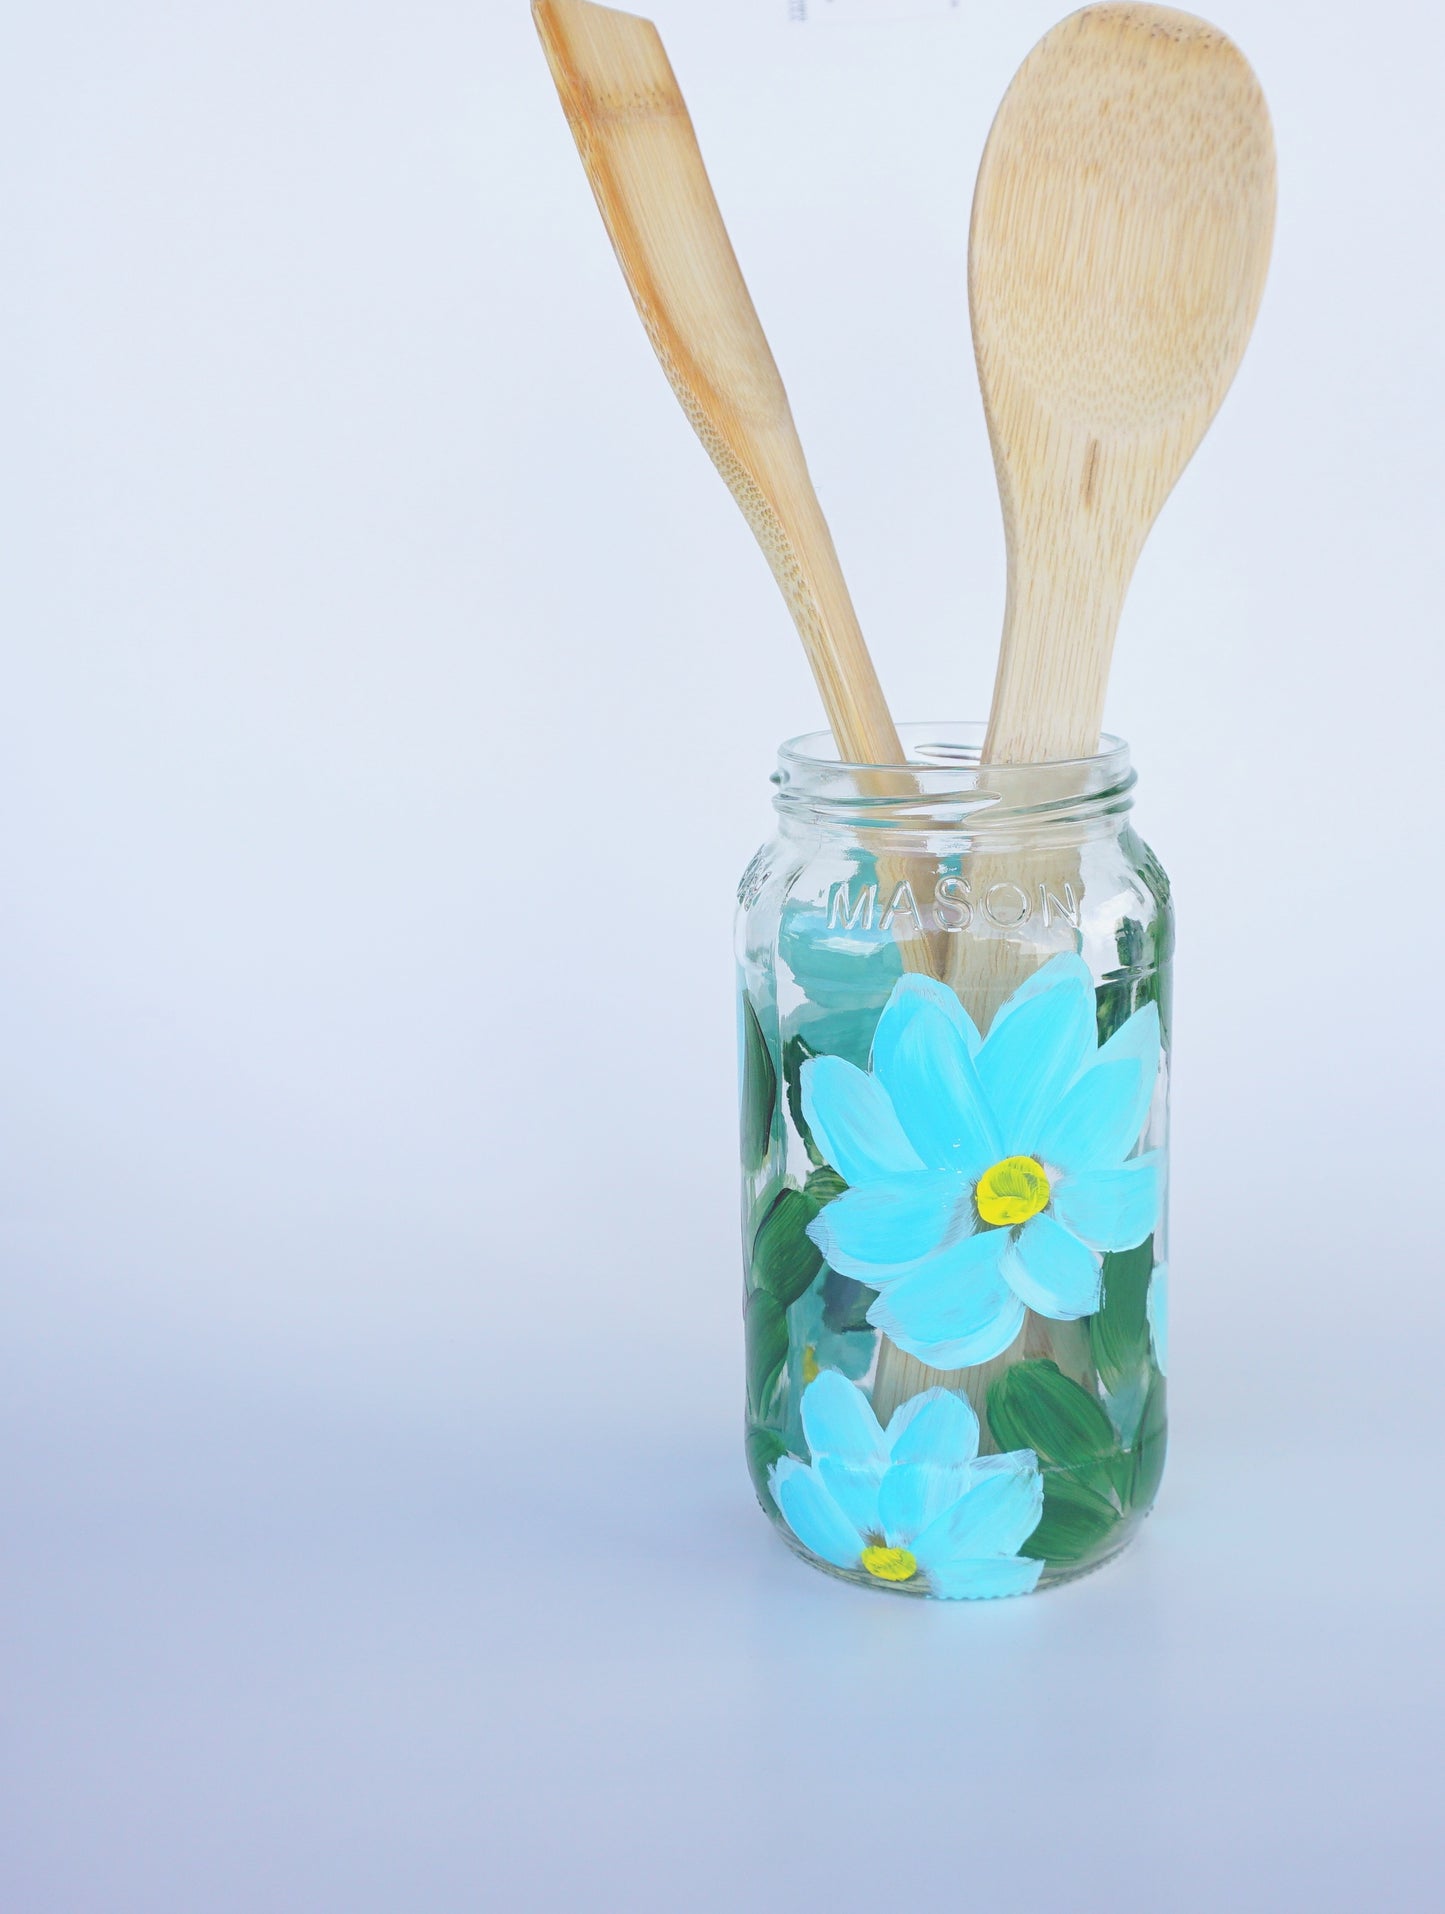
(954, 1010)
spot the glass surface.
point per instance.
(954, 1008)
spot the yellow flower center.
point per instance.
(1012, 1191)
(889, 1564)
(811, 1366)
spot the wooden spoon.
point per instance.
(1121, 235)
(632, 129)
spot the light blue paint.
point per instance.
(913, 1135)
(919, 1485)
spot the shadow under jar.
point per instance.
(954, 1009)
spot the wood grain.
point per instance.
(641, 156)
(1119, 246)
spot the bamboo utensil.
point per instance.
(1120, 239)
(1117, 257)
(641, 156)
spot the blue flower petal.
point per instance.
(1138, 1037)
(1067, 968)
(1040, 1040)
(1099, 1120)
(910, 995)
(838, 1421)
(855, 1491)
(934, 1089)
(853, 1123)
(933, 1439)
(889, 1224)
(914, 1493)
(1015, 1462)
(1112, 1209)
(937, 1426)
(954, 1309)
(1158, 1310)
(923, 1051)
(812, 1514)
(996, 1517)
(987, 1580)
(1054, 1273)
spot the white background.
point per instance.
(390, 691)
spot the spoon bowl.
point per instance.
(1120, 241)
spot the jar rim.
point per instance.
(942, 745)
(945, 785)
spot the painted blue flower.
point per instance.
(914, 1503)
(986, 1176)
(1158, 1309)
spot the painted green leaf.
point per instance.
(760, 1090)
(1150, 1446)
(1118, 998)
(824, 1184)
(766, 1332)
(764, 1447)
(784, 1259)
(758, 1208)
(846, 1303)
(796, 1052)
(1076, 1521)
(1033, 1405)
(1145, 954)
(1119, 1333)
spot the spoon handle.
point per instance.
(1073, 544)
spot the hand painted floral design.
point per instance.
(822, 1337)
(986, 1176)
(1158, 1312)
(912, 1504)
(821, 1342)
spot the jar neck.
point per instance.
(945, 798)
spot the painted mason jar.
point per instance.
(954, 1005)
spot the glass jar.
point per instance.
(954, 1007)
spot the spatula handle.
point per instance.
(641, 156)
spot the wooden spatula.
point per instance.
(1121, 236)
(641, 155)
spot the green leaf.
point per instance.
(796, 1052)
(764, 1448)
(1146, 950)
(785, 1259)
(763, 1200)
(1119, 1333)
(846, 1303)
(1128, 988)
(1076, 1521)
(1150, 1446)
(1032, 1405)
(765, 1330)
(824, 1185)
(760, 1090)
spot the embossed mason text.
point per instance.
(954, 906)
